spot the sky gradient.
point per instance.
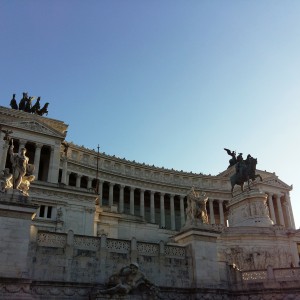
(169, 83)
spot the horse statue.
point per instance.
(245, 171)
(13, 102)
(23, 101)
(35, 108)
(43, 110)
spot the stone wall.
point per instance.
(75, 258)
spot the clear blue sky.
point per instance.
(169, 83)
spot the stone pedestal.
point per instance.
(15, 220)
(202, 242)
(249, 209)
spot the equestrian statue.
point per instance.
(244, 170)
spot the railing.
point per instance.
(282, 274)
(60, 240)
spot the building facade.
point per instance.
(88, 214)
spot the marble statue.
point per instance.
(127, 280)
(20, 168)
(6, 180)
(196, 208)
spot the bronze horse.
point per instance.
(246, 173)
(43, 110)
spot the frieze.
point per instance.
(256, 258)
(37, 193)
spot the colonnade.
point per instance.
(158, 201)
(51, 173)
(280, 209)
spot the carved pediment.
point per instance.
(12, 117)
(35, 127)
(275, 181)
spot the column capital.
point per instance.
(172, 195)
(162, 194)
(152, 192)
(122, 186)
(22, 141)
(38, 145)
(142, 190)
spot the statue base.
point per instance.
(16, 213)
(249, 209)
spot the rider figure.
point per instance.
(240, 164)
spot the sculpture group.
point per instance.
(21, 176)
(244, 169)
(196, 213)
(129, 280)
(25, 104)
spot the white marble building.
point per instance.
(111, 211)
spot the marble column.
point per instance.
(142, 203)
(132, 200)
(152, 207)
(288, 200)
(271, 208)
(221, 212)
(89, 183)
(22, 144)
(121, 199)
(111, 194)
(288, 215)
(54, 163)
(37, 157)
(182, 212)
(49, 178)
(211, 212)
(100, 190)
(68, 177)
(78, 180)
(64, 170)
(5, 146)
(172, 208)
(162, 211)
(279, 208)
